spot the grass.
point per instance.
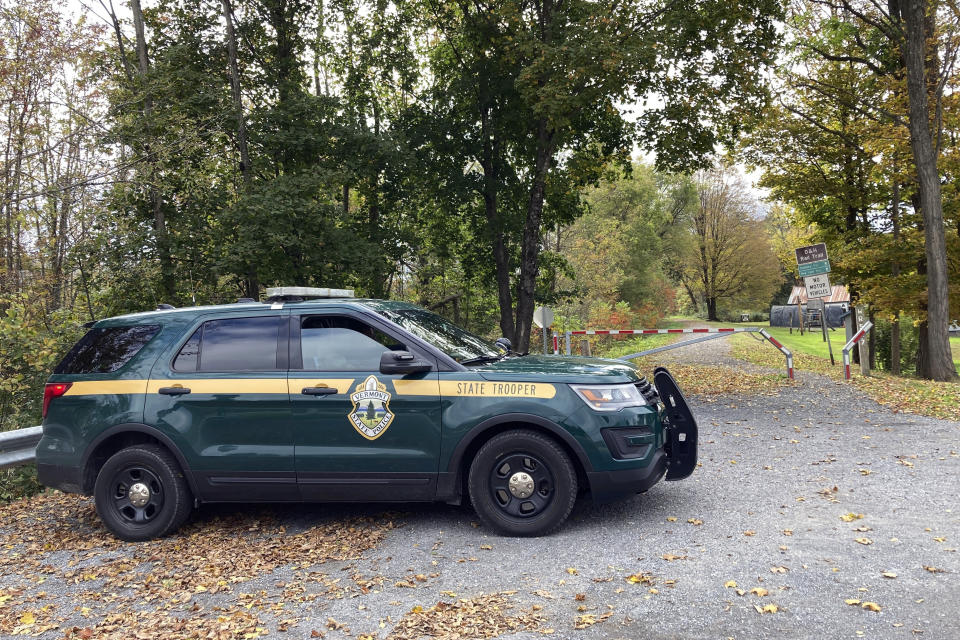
(955, 348)
(901, 394)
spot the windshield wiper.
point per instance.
(482, 359)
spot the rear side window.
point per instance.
(232, 344)
(106, 350)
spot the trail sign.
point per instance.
(812, 253)
(818, 286)
(814, 268)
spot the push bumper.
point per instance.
(66, 479)
(608, 486)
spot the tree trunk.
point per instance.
(711, 308)
(501, 257)
(237, 95)
(937, 363)
(530, 242)
(167, 276)
(895, 271)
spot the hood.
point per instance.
(569, 369)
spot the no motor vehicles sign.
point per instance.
(818, 286)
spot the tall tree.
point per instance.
(530, 90)
(921, 58)
(730, 258)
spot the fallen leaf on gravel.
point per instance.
(695, 521)
(572, 571)
(778, 569)
(749, 532)
(864, 540)
(851, 601)
(768, 608)
(939, 539)
(544, 594)
(730, 584)
(870, 606)
(889, 574)
(787, 532)
(671, 518)
(669, 557)
(485, 616)
(759, 592)
(933, 569)
(865, 472)
(486, 547)
(589, 619)
(641, 578)
(850, 517)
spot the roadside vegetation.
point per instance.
(902, 394)
(472, 161)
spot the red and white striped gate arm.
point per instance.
(614, 332)
(857, 337)
(628, 332)
(782, 349)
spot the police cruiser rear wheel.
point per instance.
(522, 483)
(141, 493)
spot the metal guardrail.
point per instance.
(19, 447)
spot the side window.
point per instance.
(336, 343)
(106, 350)
(232, 344)
(189, 356)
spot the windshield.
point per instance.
(457, 343)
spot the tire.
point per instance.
(167, 500)
(544, 489)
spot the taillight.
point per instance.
(53, 390)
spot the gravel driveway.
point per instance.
(810, 508)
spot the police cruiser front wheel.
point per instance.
(522, 483)
(141, 493)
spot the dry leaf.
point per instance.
(730, 584)
(889, 574)
(850, 517)
(759, 591)
(870, 606)
(864, 540)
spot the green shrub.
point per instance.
(909, 338)
(18, 482)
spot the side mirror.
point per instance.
(401, 362)
(504, 344)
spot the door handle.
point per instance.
(318, 391)
(173, 391)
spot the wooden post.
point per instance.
(863, 346)
(585, 347)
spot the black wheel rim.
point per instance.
(521, 506)
(128, 507)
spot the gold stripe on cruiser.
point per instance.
(475, 389)
(224, 385)
(106, 387)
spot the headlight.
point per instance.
(609, 397)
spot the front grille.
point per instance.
(648, 391)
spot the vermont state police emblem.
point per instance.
(371, 413)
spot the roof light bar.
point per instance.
(291, 294)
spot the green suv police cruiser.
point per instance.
(317, 396)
